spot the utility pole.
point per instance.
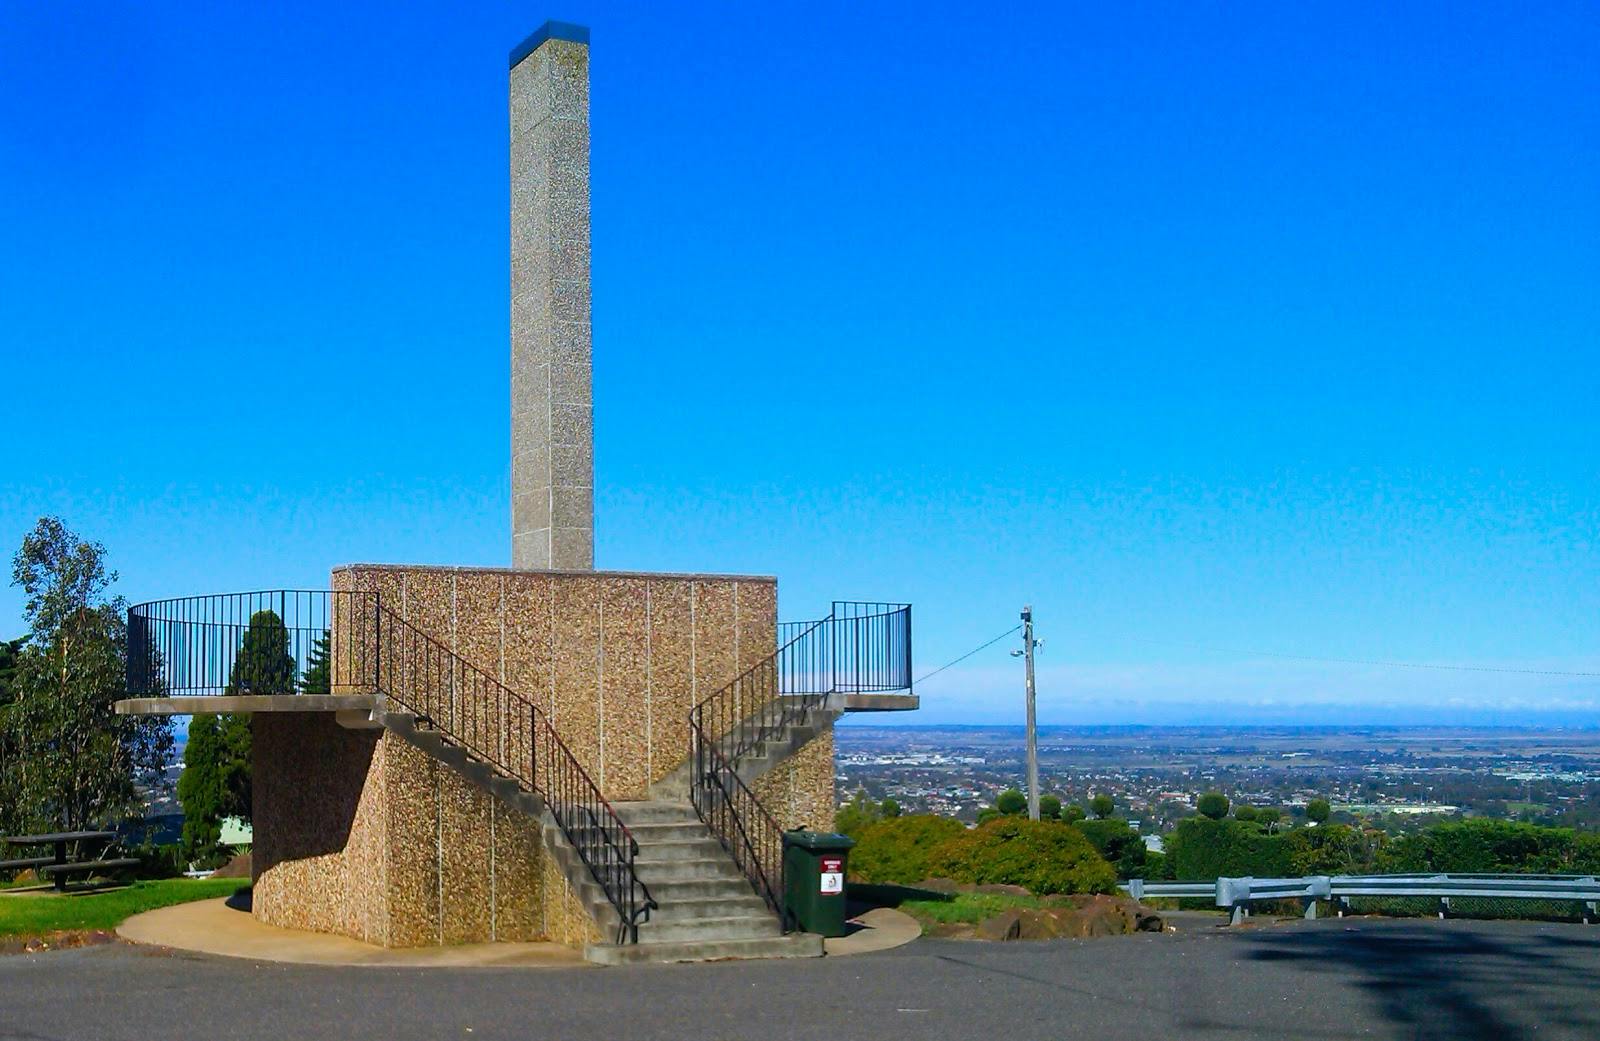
(1028, 644)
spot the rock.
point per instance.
(1147, 921)
(1072, 917)
(1007, 925)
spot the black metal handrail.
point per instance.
(859, 647)
(279, 641)
(320, 641)
(746, 830)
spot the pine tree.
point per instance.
(318, 678)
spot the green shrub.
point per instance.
(1157, 866)
(1201, 848)
(1332, 849)
(1073, 813)
(163, 861)
(1245, 812)
(895, 849)
(1213, 805)
(1050, 807)
(1043, 856)
(1482, 845)
(1318, 811)
(1102, 805)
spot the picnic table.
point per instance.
(56, 866)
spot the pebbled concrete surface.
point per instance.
(1353, 978)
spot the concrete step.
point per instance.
(671, 891)
(478, 773)
(795, 945)
(451, 755)
(710, 869)
(655, 811)
(681, 849)
(403, 722)
(708, 907)
(737, 927)
(686, 831)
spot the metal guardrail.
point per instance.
(1237, 894)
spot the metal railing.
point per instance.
(859, 647)
(1237, 895)
(320, 641)
(281, 641)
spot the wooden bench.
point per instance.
(24, 864)
(86, 867)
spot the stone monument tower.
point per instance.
(552, 410)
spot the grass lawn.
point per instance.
(970, 908)
(934, 909)
(32, 914)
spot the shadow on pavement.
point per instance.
(1450, 981)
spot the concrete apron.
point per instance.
(212, 927)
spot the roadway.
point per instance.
(1366, 978)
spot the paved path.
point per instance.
(1495, 981)
(218, 927)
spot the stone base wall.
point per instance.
(799, 791)
(614, 659)
(360, 834)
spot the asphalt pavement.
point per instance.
(1351, 978)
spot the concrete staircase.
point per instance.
(785, 742)
(707, 909)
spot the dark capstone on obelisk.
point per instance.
(552, 410)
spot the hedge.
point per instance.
(1042, 856)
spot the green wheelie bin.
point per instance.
(814, 865)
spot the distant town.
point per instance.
(1391, 778)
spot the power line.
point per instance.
(964, 657)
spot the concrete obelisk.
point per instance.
(552, 410)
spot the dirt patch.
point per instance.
(1075, 917)
(238, 867)
(58, 941)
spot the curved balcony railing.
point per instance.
(860, 647)
(347, 642)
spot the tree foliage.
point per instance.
(1011, 802)
(318, 678)
(217, 758)
(1043, 856)
(1116, 840)
(1102, 805)
(1213, 805)
(1050, 807)
(67, 760)
(861, 811)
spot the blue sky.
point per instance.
(1210, 330)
